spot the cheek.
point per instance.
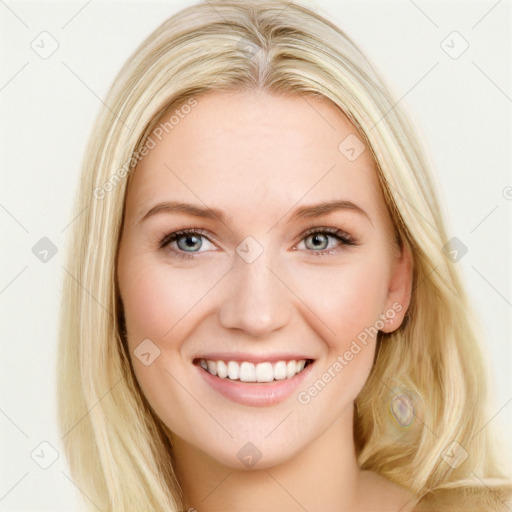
(347, 298)
(155, 309)
(162, 303)
(345, 304)
(148, 303)
(158, 299)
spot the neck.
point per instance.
(304, 482)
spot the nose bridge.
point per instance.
(255, 299)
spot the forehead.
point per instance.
(242, 150)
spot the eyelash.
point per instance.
(342, 236)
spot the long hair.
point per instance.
(118, 449)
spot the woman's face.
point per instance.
(290, 258)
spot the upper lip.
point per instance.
(252, 358)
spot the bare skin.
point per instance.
(258, 158)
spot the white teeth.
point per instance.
(280, 370)
(291, 368)
(212, 367)
(233, 370)
(222, 369)
(249, 372)
(264, 372)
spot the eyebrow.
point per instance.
(303, 212)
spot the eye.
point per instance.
(187, 241)
(318, 238)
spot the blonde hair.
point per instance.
(118, 449)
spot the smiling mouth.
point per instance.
(248, 372)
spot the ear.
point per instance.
(399, 291)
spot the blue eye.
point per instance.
(189, 241)
(319, 238)
(318, 241)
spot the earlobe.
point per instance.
(399, 291)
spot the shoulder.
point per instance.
(466, 499)
(375, 491)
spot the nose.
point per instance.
(255, 299)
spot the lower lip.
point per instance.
(255, 393)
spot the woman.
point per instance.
(215, 354)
